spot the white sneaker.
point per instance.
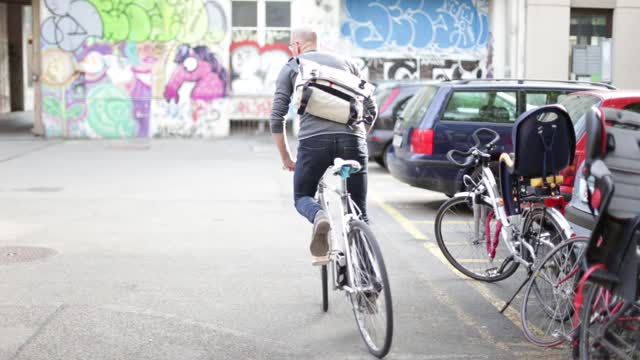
(320, 238)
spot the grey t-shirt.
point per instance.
(312, 125)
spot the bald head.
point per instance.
(303, 40)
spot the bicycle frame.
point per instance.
(486, 193)
(348, 211)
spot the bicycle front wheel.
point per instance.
(609, 327)
(469, 237)
(369, 292)
(547, 306)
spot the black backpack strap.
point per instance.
(304, 101)
(353, 113)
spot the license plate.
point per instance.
(397, 140)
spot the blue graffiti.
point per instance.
(417, 24)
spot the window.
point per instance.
(534, 99)
(262, 21)
(482, 106)
(245, 14)
(399, 108)
(417, 106)
(577, 106)
(590, 40)
(588, 26)
(633, 107)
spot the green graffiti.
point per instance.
(161, 20)
(74, 111)
(52, 107)
(110, 112)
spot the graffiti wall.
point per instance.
(411, 39)
(254, 71)
(126, 68)
(154, 68)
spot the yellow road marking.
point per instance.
(510, 313)
(446, 222)
(400, 219)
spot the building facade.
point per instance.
(190, 68)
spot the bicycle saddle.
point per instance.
(339, 164)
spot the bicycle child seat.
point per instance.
(544, 144)
(613, 161)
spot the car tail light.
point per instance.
(556, 202)
(422, 141)
(569, 175)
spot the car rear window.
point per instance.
(417, 106)
(577, 106)
(381, 95)
(537, 98)
(482, 106)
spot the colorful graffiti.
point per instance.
(99, 82)
(255, 69)
(194, 94)
(416, 68)
(72, 22)
(251, 108)
(201, 66)
(417, 25)
(134, 68)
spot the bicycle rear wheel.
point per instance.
(370, 293)
(609, 329)
(325, 287)
(547, 306)
(470, 239)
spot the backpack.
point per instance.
(330, 93)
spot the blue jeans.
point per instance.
(315, 155)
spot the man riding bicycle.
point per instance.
(320, 140)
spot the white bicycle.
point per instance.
(356, 264)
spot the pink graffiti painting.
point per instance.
(201, 66)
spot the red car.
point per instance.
(577, 104)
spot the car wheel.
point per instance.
(385, 156)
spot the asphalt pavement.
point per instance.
(189, 249)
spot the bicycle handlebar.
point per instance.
(466, 154)
(490, 144)
(474, 152)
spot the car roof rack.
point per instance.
(522, 81)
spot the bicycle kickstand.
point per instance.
(517, 292)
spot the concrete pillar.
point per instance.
(14, 23)
(5, 99)
(626, 47)
(498, 25)
(547, 39)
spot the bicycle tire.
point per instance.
(594, 314)
(478, 246)
(363, 242)
(561, 269)
(325, 288)
(548, 220)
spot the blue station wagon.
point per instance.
(442, 116)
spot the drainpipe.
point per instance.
(522, 38)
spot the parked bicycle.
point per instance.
(356, 264)
(591, 284)
(486, 233)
